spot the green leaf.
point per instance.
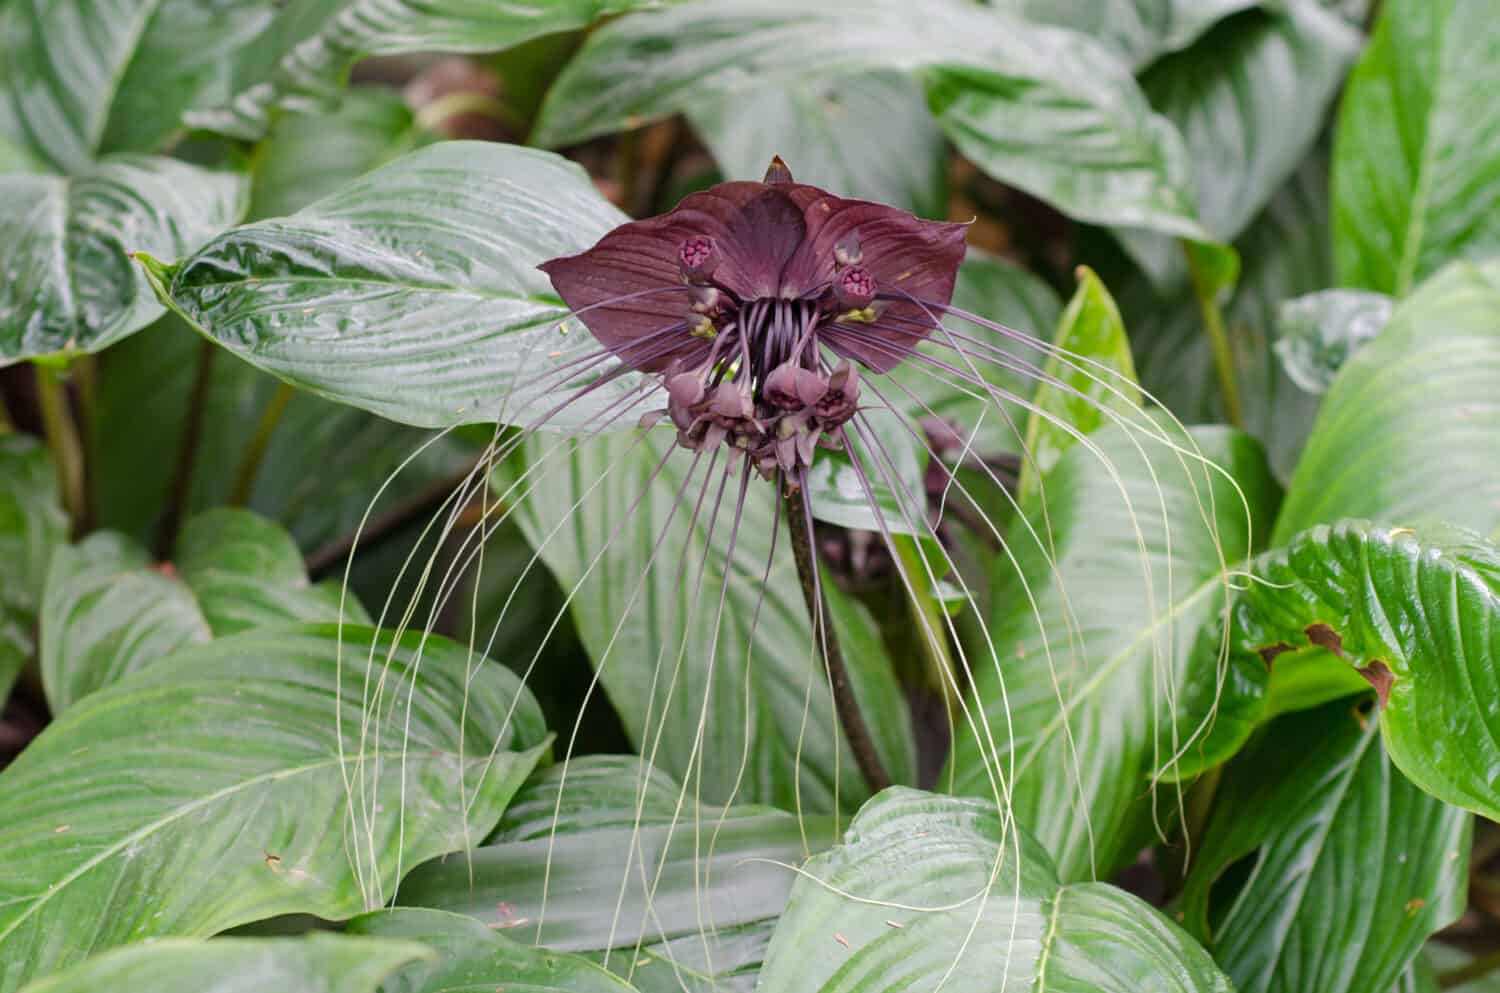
(1419, 614)
(647, 615)
(108, 611)
(1140, 30)
(1077, 392)
(246, 572)
(971, 904)
(325, 963)
(1095, 689)
(1348, 866)
(82, 78)
(1006, 294)
(1043, 109)
(567, 865)
(70, 285)
(868, 136)
(1250, 98)
(299, 61)
(309, 156)
(1318, 332)
(1416, 181)
(473, 957)
(32, 524)
(1283, 253)
(1397, 437)
(271, 763)
(458, 327)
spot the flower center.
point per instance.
(764, 387)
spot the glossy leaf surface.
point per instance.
(303, 55)
(83, 78)
(975, 905)
(117, 820)
(1092, 686)
(1400, 432)
(318, 963)
(1093, 375)
(109, 611)
(472, 957)
(65, 245)
(1416, 178)
(413, 292)
(1318, 332)
(1038, 107)
(607, 856)
(728, 699)
(867, 136)
(1418, 613)
(1322, 907)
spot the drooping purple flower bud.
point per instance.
(685, 389)
(730, 401)
(791, 387)
(699, 257)
(854, 288)
(842, 399)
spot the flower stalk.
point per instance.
(856, 730)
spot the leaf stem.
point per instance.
(255, 452)
(62, 438)
(1218, 337)
(853, 721)
(187, 453)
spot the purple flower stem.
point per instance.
(798, 508)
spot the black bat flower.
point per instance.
(780, 289)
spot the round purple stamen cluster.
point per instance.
(764, 387)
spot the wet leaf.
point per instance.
(975, 905)
(1416, 613)
(1416, 181)
(731, 701)
(323, 962)
(868, 136)
(70, 286)
(456, 326)
(1041, 108)
(1319, 331)
(1302, 806)
(242, 774)
(567, 864)
(471, 956)
(1087, 683)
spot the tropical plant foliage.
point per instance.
(358, 632)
